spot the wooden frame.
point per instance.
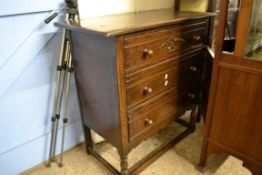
(240, 139)
(242, 32)
(177, 5)
(146, 161)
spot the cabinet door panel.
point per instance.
(234, 115)
(235, 118)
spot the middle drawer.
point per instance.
(149, 84)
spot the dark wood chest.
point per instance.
(136, 73)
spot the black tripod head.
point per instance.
(71, 4)
(71, 9)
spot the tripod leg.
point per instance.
(70, 15)
(66, 58)
(59, 104)
(55, 118)
(57, 94)
(65, 119)
(51, 142)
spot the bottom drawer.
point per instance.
(148, 119)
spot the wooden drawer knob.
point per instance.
(147, 53)
(148, 90)
(149, 122)
(193, 68)
(192, 96)
(196, 37)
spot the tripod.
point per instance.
(64, 71)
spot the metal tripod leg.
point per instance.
(58, 98)
(65, 119)
(65, 62)
(66, 58)
(57, 115)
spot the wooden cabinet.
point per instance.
(136, 74)
(234, 117)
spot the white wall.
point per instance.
(28, 55)
(15, 7)
(194, 5)
(154, 4)
(93, 8)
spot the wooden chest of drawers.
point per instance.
(135, 78)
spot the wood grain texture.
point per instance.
(112, 96)
(243, 27)
(237, 100)
(96, 77)
(234, 119)
(161, 110)
(122, 96)
(169, 77)
(177, 5)
(116, 25)
(167, 43)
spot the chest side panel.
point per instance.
(94, 61)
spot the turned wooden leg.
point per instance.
(124, 165)
(198, 117)
(88, 139)
(202, 164)
(254, 167)
(193, 116)
(203, 161)
(204, 157)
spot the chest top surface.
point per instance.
(120, 24)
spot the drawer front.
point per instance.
(150, 84)
(154, 47)
(145, 121)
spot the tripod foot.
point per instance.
(48, 164)
(61, 165)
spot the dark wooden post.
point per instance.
(177, 5)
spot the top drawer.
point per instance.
(148, 48)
